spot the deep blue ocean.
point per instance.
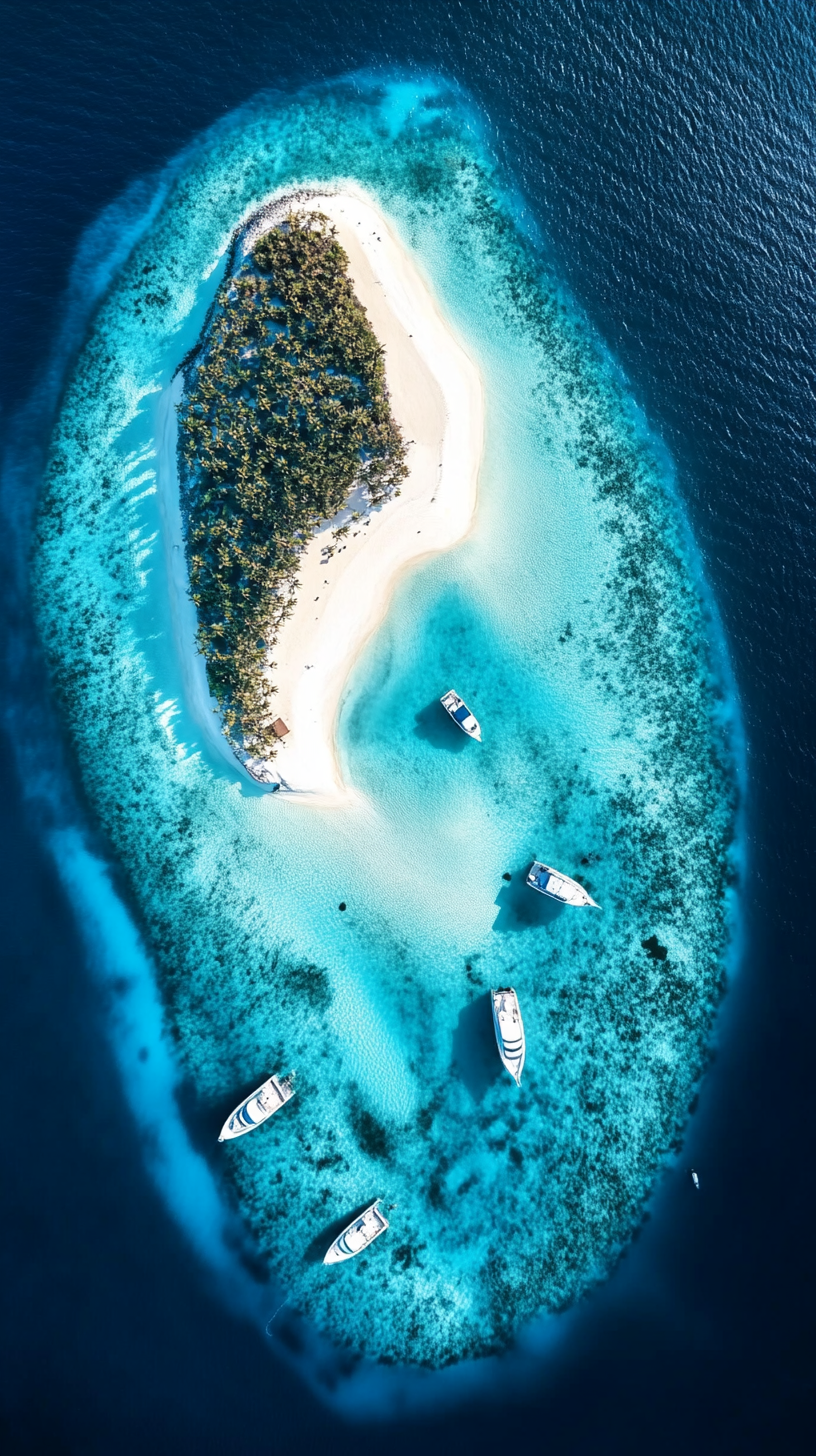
(662, 157)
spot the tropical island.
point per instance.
(575, 610)
(328, 433)
(286, 410)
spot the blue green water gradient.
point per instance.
(574, 622)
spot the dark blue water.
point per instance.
(667, 153)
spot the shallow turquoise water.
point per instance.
(574, 622)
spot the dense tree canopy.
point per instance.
(285, 411)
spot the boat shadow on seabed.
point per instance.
(520, 907)
(204, 1116)
(475, 1059)
(434, 726)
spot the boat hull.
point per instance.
(556, 886)
(257, 1108)
(358, 1236)
(458, 710)
(509, 1029)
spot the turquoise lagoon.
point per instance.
(575, 622)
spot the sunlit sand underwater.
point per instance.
(574, 622)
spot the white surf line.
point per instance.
(437, 399)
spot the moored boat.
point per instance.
(361, 1232)
(459, 711)
(509, 1029)
(559, 887)
(259, 1106)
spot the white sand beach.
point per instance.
(436, 397)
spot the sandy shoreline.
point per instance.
(436, 397)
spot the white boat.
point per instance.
(559, 887)
(361, 1232)
(695, 1180)
(461, 715)
(258, 1107)
(509, 1029)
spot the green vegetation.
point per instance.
(285, 412)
